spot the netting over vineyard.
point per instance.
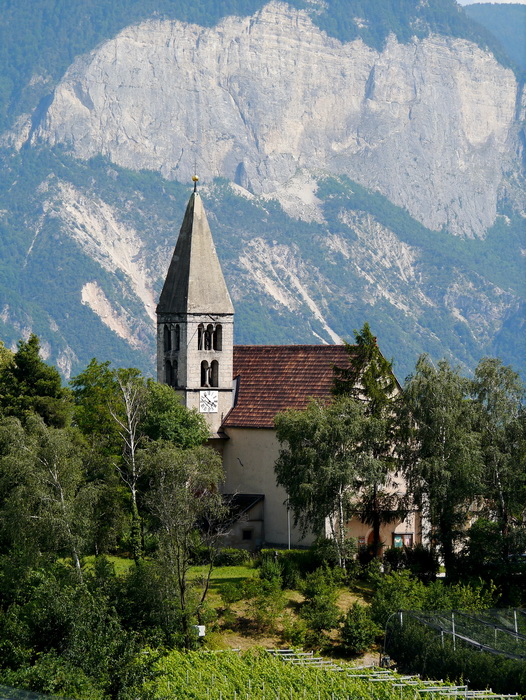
(501, 632)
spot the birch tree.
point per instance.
(319, 465)
(500, 420)
(442, 457)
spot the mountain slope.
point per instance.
(347, 178)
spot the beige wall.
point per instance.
(248, 459)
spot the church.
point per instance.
(240, 389)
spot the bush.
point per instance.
(270, 570)
(402, 591)
(422, 562)
(395, 559)
(268, 605)
(359, 631)
(231, 556)
(319, 609)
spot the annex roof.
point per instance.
(274, 378)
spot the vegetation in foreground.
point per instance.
(115, 465)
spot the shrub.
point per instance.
(395, 559)
(268, 605)
(358, 631)
(319, 609)
(396, 591)
(231, 556)
(270, 570)
(422, 562)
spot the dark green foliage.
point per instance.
(319, 609)
(229, 556)
(420, 650)
(358, 631)
(421, 561)
(369, 374)
(166, 418)
(28, 384)
(442, 455)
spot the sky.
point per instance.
(497, 2)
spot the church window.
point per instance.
(168, 376)
(176, 337)
(218, 337)
(205, 372)
(208, 336)
(246, 535)
(167, 339)
(214, 373)
(200, 334)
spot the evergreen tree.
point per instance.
(29, 385)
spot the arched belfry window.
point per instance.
(205, 372)
(167, 339)
(218, 337)
(208, 336)
(214, 373)
(200, 336)
(168, 374)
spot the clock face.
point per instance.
(208, 401)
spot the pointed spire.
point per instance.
(195, 282)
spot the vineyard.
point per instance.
(280, 675)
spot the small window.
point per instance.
(218, 337)
(246, 535)
(176, 337)
(167, 339)
(200, 336)
(205, 372)
(168, 376)
(208, 336)
(214, 373)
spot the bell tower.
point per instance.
(195, 321)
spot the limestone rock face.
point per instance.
(431, 124)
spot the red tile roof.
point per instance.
(274, 378)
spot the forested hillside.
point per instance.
(507, 22)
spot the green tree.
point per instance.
(29, 385)
(319, 463)
(442, 459)
(165, 418)
(120, 412)
(188, 507)
(498, 394)
(46, 504)
(369, 379)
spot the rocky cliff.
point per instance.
(430, 123)
(358, 184)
